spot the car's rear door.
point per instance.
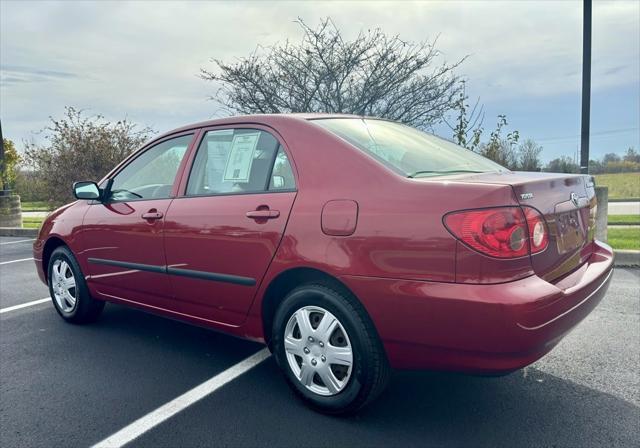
(223, 231)
(122, 237)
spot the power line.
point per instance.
(575, 136)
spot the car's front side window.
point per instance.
(239, 161)
(152, 174)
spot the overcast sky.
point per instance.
(140, 60)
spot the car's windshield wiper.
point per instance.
(417, 173)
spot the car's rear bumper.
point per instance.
(480, 328)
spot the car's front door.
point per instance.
(222, 233)
(122, 236)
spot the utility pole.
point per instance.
(586, 86)
(2, 185)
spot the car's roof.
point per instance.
(267, 119)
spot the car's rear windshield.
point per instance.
(406, 150)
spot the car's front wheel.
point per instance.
(69, 290)
(328, 349)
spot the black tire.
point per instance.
(370, 370)
(86, 309)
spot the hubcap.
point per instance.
(318, 350)
(63, 284)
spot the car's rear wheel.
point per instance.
(328, 349)
(68, 289)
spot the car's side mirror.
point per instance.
(86, 190)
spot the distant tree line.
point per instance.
(610, 163)
(614, 163)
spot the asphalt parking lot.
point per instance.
(65, 385)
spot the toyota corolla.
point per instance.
(348, 245)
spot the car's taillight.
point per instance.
(538, 233)
(498, 232)
(502, 232)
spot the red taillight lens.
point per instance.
(505, 232)
(538, 233)
(498, 232)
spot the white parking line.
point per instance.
(16, 242)
(168, 410)
(24, 305)
(15, 261)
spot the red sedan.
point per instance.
(349, 245)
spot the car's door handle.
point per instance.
(152, 214)
(263, 214)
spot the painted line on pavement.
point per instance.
(16, 242)
(173, 407)
(16, 261)
(24, 305)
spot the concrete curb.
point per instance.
(16, 231)
(627, 258)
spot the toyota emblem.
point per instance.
(574, 199)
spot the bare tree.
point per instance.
(501, 149)
(631, 155)
(374, 74)
(467, 128)
(529, 156)
(80, 148)
(563, 164)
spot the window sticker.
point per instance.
(243, 148)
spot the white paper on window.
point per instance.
(243, 148)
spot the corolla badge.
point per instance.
(574, 199)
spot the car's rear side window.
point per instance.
(239, 160)
(407, 150)
(282, 175)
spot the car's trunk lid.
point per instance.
(568, 204)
